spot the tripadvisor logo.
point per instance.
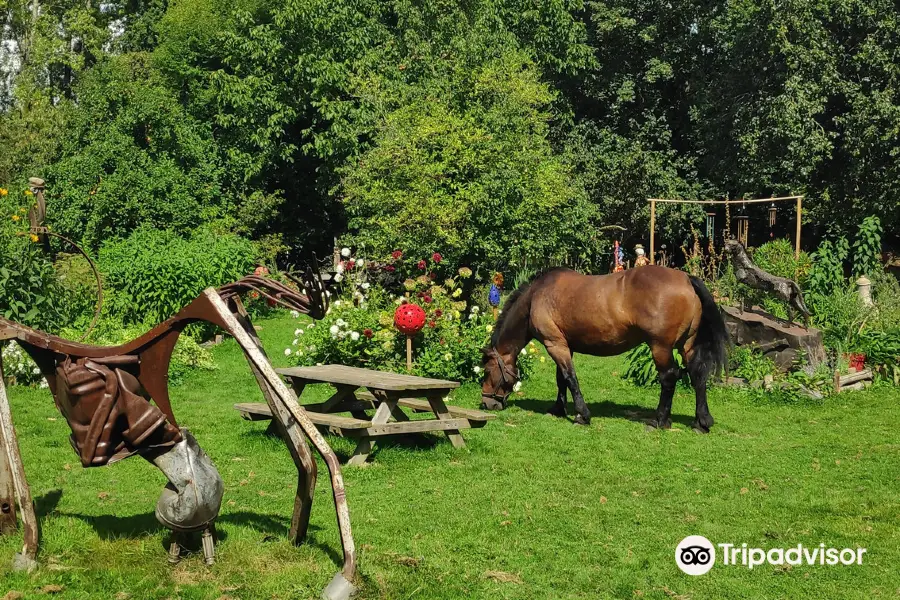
(696, 555)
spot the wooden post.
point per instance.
(409, 353)
(14, 459)
(799, 215)
(8, 523)
(652, 232)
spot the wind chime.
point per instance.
(710, 225)
(743, 225)
(772, 212)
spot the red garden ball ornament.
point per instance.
(409, 319)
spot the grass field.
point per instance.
(534, 507)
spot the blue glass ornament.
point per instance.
(494, 296)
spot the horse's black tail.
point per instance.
(711, 345)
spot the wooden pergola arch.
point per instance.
(653, 201)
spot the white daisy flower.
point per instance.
(360, 262)
(354, 335)
(287, 351)
(518, 386)
(334, 329)
(345, 252)
(477, 370)
(339, 277)
(475, 309)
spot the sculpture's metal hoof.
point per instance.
(23, 562)
(174, 556)
(209, 547)
(338, 589)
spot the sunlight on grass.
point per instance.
(534, 507)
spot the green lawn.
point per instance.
(534, 507)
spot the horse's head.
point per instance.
(501, 374)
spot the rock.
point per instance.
(781, 341)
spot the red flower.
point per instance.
(428, 299)
(348, 265)
(421, 264)
(420, 294)
(368, 333)
(397, 254)
(390, 268)
(254, 294)
(436, 257)
(431, 323)
(437, 313)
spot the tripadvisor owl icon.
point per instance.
(695, 555)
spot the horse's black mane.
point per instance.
(515, 296)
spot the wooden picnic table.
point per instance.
(387, 394)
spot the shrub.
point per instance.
(153, 274)
(749, 363)
(18, 368)
(358, 329)
(29, 288)
(867, 246)
(641, 370)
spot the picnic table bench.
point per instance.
(387, 394)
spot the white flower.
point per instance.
(489, 328)
(354, 335)
(340, 268)
(523, 352)
(345, 252)
(287, 351)
(360, 262)
(334, 329)
(475, 309)
(477, 370)
(298, 332)
(448, 356)
(365, 285)
(472, 316)
(339, 277)
(341, 335)
(341, 323)
(299, 352)
(44, 385)
(35, 371)
(294, 343)
(336, 303)
(518, 386)
(295, 314)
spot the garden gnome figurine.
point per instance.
(641, 259)
(496, 292)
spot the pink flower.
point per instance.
(390, 268)
(438, 313)
(422, 265)
(397, 254)
(428, 299)
(436, 257)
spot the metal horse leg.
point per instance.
(341, 586)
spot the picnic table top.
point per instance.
(379, 380)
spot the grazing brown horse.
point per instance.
(607, 315)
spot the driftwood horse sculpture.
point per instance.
(105, 394)
(607, 315)
(752, 276)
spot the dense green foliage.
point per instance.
(498, 129)
(155, 274)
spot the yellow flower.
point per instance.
(489, 328)
(532, 350)
(16, 217)
(22, 210)
(29, 193)
(34, 238)
(3, 191)
(543, 358)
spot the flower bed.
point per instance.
(359, 330)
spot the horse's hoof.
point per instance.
(657, 424)
(557, 412)
(699, 428)
(582, 420)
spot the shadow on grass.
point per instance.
(110, 527)
(602, 410)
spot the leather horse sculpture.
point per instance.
(116, 402)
